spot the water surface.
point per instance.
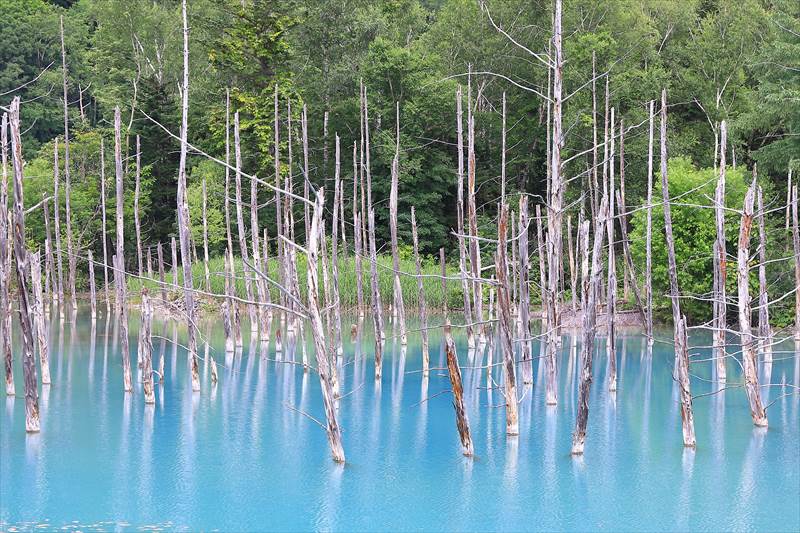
(239, 456)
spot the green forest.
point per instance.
(719, 60)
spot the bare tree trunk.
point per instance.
(648, 272)
(764, 330)
(337, 212)
(720, 266)
(323, 361)
(136, 221)
(5, 264)
(611, 305)
(146, 348)
(119, 261)
(184, 224)
(23, 271)
(749, 363)
(261, 288)
(205, 237)
(235, 317)
(423, 311)
(505, 325)
(573, 273)
(462, 253)
(240, 224)
(472, 215)
(71, 257)
(226, 308)
(554, 216)
(162, 282)
(628, 279)
(444, 280)
(92, 291)
(48, 257)
(39, 320)
(462, 421)
(524, 292)
(681, 348)
(174, 250)
(105, 232)
(359, 248)
(595, 185)
(796, 246)
(57, 221)
(377, 312)
(590, 294)
(399, 306)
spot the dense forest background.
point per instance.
(719, 60)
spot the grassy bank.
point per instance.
(434, 294)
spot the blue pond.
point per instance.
(240, 456)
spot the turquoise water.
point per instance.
(236, 457)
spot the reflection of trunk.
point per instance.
(748, 343)
(423, 312)
(505, 325)
(590, 293)
(681, 347)
(462, 421)
(23, 270)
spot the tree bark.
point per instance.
(505, 325)
(184, 224)
(146, 348)
(71, 258)
(681, 348)
(5, 264)
(462, 251)
(105, 232)
(591, 291)
(611, 304)
(796, 246)
(119, 261)
(23, 272)
(648, 272)
(377, 315)
(720, 266)
(57, 222)
(764, 330)
(39, 320)
(136, 221)
(524, 292)
(92, 291)
(323, 361)
(399, 305)
(749, 362)
(462, 421)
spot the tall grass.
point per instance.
(435, 296)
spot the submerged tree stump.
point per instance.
(454, 370)
(146, 348)
(39, 320)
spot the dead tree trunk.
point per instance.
(524, 293)
(398, 290)
(226, 308)
(48, 257)
(240, 224)
(57, 221)
(749, 363)
(92, 291)
(444, 281)
(611, 304)
(472, 215)
(5, 264)
(174, 250)
(205, 237)
(146, 348)
(681, 348)
(462, 251)
(323, 360)
(423, 311)
(184, 224)
(505, 325)
(377, 315)
(71, 257)
(358, 245)
(462, 421)
(227, 202)
(337, 213)
(23, 271)
(162, 282)
(119, 261)
(796, 246)
(589, 298)
(554, 217)
(648, 271)
(136, 222)
(720, 266)
(764, 330)
(105, 232)
(40, 321)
